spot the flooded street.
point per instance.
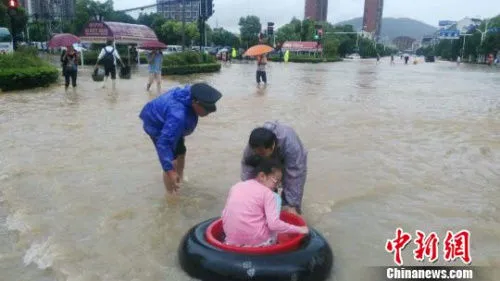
(411, 146)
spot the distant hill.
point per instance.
(394, 27)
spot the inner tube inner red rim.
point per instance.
(286, 242)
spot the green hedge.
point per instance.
(190, 69)
(173, 64)
(188, 63)
(182, 58)
(187, 58)
(24, 70)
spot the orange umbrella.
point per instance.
(258, 50)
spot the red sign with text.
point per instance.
(455, 245)
(97, 29)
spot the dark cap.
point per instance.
(206, 96)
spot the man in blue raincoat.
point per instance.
(172, 116)
(277, 140)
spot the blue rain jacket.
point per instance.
(167, 119)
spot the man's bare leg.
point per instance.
(104, 83)
(166, 182)
(179, 165)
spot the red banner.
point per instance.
(297, 46)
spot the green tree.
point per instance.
(121, 17)
(170, 32)
(192, 33)
(346, 42)
(88, 10)
(18, 21)
(290, 31)
(367, 48)
(331, 47)
(222, 37)
(334, 44)
(148, 19)
(38, 31)
(4, 16)
(491, 43)
(250, 27)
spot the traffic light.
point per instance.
(318, 32)
(13, 4)
(210, 8)
(203, 9)
(270, 28)
(207, 8)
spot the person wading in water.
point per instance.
(69, 60)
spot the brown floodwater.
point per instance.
(411, 146)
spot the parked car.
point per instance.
(172, 49)
(354, 56)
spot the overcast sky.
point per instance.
(228, 12)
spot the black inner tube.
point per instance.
(312, 261)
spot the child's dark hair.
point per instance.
(263, 164)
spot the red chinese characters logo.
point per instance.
(455, 246)
(398, 244)
(426, 247)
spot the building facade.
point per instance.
(172, 9)
(49, 9)
(404, 43)
(372, 17)
(316, 10)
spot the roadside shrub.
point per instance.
(190, 69)
(25, 70)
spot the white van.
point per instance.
(172, 49)
(6, 43)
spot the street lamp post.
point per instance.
(12, 6)
(183, 23)
(463, 46)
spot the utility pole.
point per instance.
(463, 47)
(183, 24)
(12, 7)
(206, 11)
(201, 25)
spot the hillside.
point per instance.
(394, 27)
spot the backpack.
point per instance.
(109, 58)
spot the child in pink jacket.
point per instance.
(251, 216)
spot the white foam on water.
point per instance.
(42, 254)
(3, 177)
(16, 222)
